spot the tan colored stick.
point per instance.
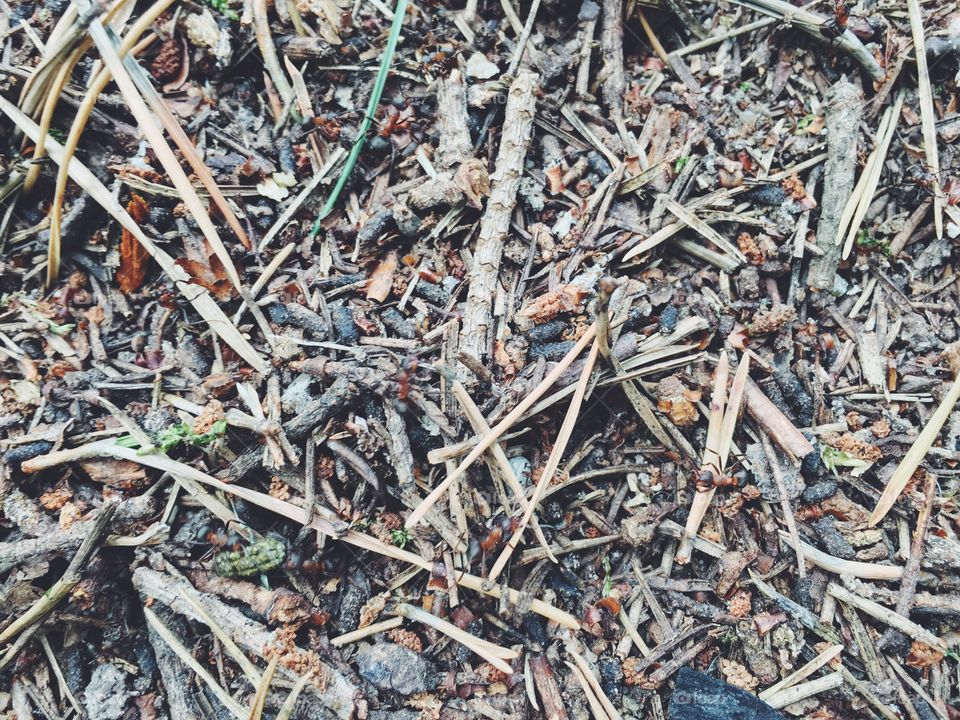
(553, 462)
(481, 447)
(911, 461)
(888, 616)
(804, 672)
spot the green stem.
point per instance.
(368, 117)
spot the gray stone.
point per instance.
(393, 667)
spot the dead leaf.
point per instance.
(122, 474)
(381, 280)
(213, 277)
(133, 256)
(472, 178)
(922, 655)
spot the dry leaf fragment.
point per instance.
(133, 255)
(122, 474)
(473, 180)
(565, 298)
(677, 401)
(771, 320)
(213, 276)
(923, 656)
(381, 280)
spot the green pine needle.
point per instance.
(368, 117)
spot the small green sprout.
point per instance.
(400, 537)
(868, 242)
(607, 578)
(223, 7)
(680, 163)
(834, 458)
(182, 433)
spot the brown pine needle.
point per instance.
(608, 706)
(480, 426)
(911, 461)
(596, 708)
(487, 440)
(711, 459)
(46, 117)
(187, 658)
(492, 653)
(553, 462)
(130, 43)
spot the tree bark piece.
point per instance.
(454, 145)
(844, 111)
(517, 131)
(337, 693)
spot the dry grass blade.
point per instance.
(805, 690)
(484, 444)
(608, 707)
(704, 230)
(788, 515)
(286, 710)
(711, 461)
(260, 699)
(480, 426)
(238, 656)
(927, 116)
(911, 461)
(46, 117)
(365, 632)
(186, 657)
(288, 510)
(553, 462)
(804, 672)
(863, 195)
(129, 44)
(107, 46)
(492, 653)
(186, 147)
(596, 708)
(198, 297)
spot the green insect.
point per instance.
(259, 558)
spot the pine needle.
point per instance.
(260, 699)
(199, 297)
(501, 427)
(379, 83)
(927, 117)
(553, 462)
(911, 461)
